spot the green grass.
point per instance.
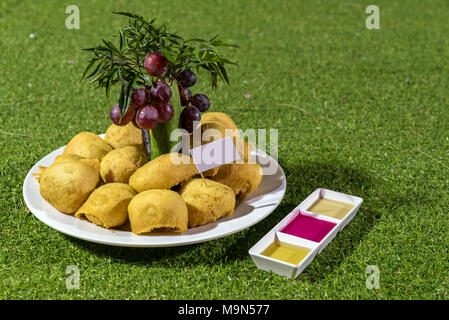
(359, 111)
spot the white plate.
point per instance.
(249, 211)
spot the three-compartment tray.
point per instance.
(307, 231)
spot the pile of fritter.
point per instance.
(110, 182)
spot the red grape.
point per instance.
(156, 64)
(186, 78)
(201, 102)
(185, 95)
(160, 91)
(165, 111)
(147, 117)
(114, 114)
(139, 97)
(188, 115)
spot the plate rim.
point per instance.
(56, 225)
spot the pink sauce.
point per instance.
(308, 228)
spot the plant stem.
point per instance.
(147, 142)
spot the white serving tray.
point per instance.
(289, 270)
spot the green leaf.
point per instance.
(128, 14)
(168, 54)
(210, 46)
(196, 53)
(204, 66)
(95, 70)
(223, 72)
(125, 97)
(109, 78)
(89, 65)
(111, 46)
(175, 36)
(228, 61)
(122, 40)
(213, 76)
(213, 66)
(98, 77)
(119, 74)
(224, 42)
(213, 38)
(195, 40)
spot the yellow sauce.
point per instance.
(331, 208)
(286, 252)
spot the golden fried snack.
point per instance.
(211, 172)
(217, 125)
(119, 164)
(163, 173)
(157, 209)
(241, 178)
(66, 158)
(67, 185)
(220, 118)
(59, 159)
(207, 201)
(244, 149)
(94, 163)
(88, 145)
(123, 136)
(107, 205)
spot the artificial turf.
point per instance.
(360, 111)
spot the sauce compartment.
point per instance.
(283, 254)
(290, 246)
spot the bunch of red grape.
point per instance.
(194, 104)
(146, 115)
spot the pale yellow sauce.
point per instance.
(331, 208)
(286, 252)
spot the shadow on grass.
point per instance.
(302, 179)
